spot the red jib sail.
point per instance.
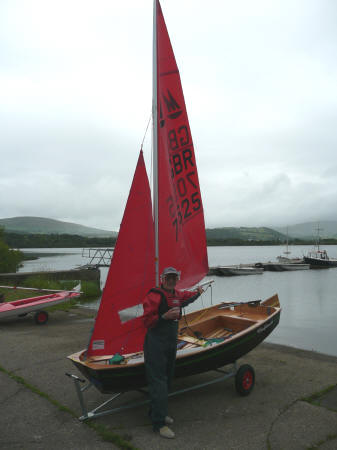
(130, 276)
(182, 237)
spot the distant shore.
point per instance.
(27, 240)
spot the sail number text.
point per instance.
(186, 199)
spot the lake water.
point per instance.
(308, 297)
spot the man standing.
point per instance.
(162, 310)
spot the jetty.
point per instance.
(258, 268)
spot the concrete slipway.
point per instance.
(39, 406)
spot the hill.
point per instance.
(245, 234)
(41, 225)
(308, 230)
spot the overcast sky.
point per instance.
(260, 84)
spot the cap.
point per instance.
(170, 270)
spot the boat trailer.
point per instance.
(244, 383)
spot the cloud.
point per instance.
(259, 83)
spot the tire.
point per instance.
(41, 317)
(245, 380)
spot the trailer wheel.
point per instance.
(41, 317)
(245, 380)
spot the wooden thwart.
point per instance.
(192, 340)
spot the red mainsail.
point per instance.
(182, 237)
(131, 275)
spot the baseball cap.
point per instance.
(170, 270)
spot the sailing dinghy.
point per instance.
(172, 234)
(36, 305)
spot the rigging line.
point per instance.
(147, 127)
(141, 147)
(196, 333)
(198, 336)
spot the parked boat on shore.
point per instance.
(36, 305)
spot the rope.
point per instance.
(148, 123)
(198, 336)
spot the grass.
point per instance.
(314, 399)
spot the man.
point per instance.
(162, 310)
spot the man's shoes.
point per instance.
(169, 420)
(166, 432)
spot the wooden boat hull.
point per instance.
(119, 378)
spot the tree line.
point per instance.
(27, 240)
(10, 259)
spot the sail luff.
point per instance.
(155, 142)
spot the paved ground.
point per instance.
(275, 416)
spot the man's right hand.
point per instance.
(172, 314)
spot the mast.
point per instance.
(155, 140)
(318, 229)
(287, 252)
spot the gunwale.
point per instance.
(237, 313)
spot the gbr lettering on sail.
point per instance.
(183, 173)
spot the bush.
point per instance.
(10, 260)
(90, 289)
(43, 282)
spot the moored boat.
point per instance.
(283, 267)
(320, 258)
(294, 266)
(238, 270)
(286, 260)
